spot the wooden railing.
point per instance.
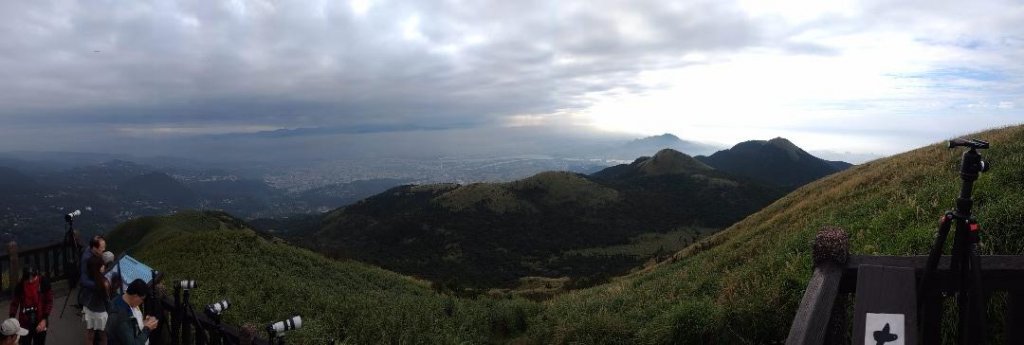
(48, 259)
(824, 316)
(179, 324)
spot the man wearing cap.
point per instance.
(11, 330)
(32, 304)
(125, 324)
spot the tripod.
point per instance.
(187, 319)
(964, 262)
(71, 249)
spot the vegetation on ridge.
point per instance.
(741, 285)
(486, 235)
(267, 280)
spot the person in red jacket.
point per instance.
(31, 305)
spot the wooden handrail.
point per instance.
(835, 277)
(811, 324)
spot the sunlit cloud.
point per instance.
(857, 76)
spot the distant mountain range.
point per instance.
(114, 191)
(491, 234)
(777, 162)
(644, 146)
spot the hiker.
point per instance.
(11, 330)
(32, 304)
(97, 305)
(126, 325)
(97, 245)
(94, 321)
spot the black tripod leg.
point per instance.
(929, 301)
(978, 301)
(964, 297)
(934, 256)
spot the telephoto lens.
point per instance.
(30, 313)
(70, 216)
(187, 284)
(218, 308)
(290, 324)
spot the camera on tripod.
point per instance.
(32, 315)
(277, 329)
(70, 217)
(216, 309)
(187, 284)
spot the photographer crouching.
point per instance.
(31, 305)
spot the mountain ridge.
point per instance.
(777, 161)
(496, 233)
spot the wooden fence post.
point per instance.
(12, 252)
(1014, 317)
(811, 325)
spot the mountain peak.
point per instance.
(664, 140)
(777, 161)
(669, 161)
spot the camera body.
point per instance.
(71, 216)
(32, 315)
(218, 308)
(187, 284)
(289, 324)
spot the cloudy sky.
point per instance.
(847, 76)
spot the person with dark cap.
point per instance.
(10, 331)
(32, 304)
(125, 324)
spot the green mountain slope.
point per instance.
(777, 161)
(493, 234)
(739, 286)
(267, 280)
(743, 284)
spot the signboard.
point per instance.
(133, 269)
(884, 329)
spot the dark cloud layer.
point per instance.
(307, 64)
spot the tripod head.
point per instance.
(971, 165)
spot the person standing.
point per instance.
(11, 330)
(95, 310)
(32, 304)
(87, 291)
(126, 325)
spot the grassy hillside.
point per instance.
(743, 284)
(267, 280)
(487, 235)
(739, 286)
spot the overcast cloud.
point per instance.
(842, 77)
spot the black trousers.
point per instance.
(33, 338)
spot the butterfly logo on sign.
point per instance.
(884, 329)
(884, 336)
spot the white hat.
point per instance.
(12, 326)
(108, 257)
